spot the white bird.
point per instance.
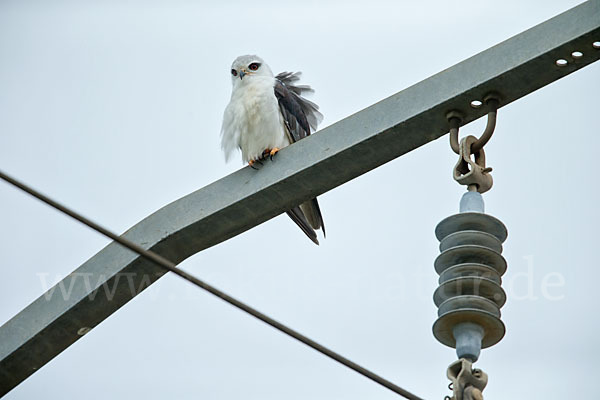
(265, 114)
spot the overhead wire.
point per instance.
(172, 267)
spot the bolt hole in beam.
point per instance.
(576, 55)
(561, 62)
(355, 145)
(476, 103)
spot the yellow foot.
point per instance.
(274, 151)
(265, 154)
(252, 162)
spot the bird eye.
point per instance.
(254, 66)
(233, 72)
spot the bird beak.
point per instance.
(242, 73)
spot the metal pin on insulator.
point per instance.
(470, 267)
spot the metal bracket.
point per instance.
(467, 383)
(455, 118)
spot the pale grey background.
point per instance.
(114, 108)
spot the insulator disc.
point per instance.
(493, 327)
(469, 301)
(471, 221)
(470, 286)
(477, 238)
(470, 254)
(470, 269)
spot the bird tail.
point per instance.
(308, 217)
(298, 217)
(312, 212)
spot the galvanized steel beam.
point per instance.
(321, 162)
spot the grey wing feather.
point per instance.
(300, 115)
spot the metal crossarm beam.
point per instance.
(321, 162)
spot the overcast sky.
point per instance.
(114, 108)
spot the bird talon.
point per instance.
(251, 164)
(274, 151)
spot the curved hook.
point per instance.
(492, 102)
(455, 118)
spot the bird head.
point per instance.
(245, 68)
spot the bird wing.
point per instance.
(300, 116)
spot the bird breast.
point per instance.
(260, 121)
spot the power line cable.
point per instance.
(170, 266)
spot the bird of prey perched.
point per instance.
(265, 114)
